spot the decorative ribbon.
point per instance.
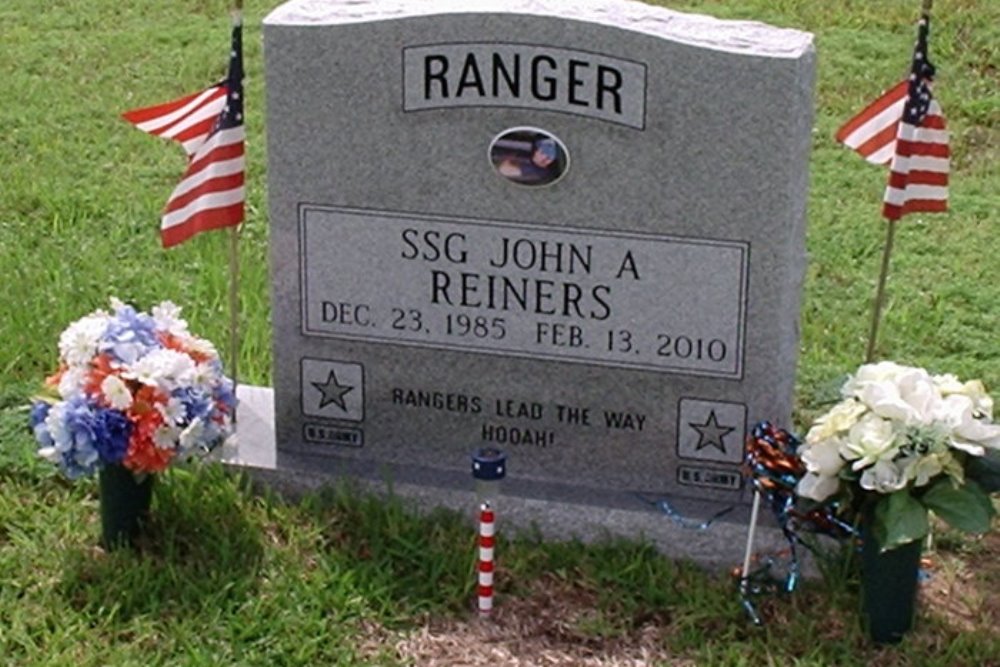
(774, 468)
(684, 522)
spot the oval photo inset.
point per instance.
(529, 156)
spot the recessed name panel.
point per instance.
(655, 302)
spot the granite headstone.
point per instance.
(570, 230)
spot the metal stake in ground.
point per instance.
(748, 555)
(485, 566)
(489, 467)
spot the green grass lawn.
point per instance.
(227, 576)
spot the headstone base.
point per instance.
(720, 545)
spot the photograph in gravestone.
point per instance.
(570, 231)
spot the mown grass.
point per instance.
(228, 576)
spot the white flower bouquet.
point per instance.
(905, 441)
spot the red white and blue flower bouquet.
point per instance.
(134, 393)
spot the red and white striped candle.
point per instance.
(485, 568)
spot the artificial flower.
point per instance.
(817, 487)
(843, 416)
(116, 392)
(135, 389)
(884, 477)
(78, 343)
(901, 430)
(823, 457)
(868, 440)
(922, 469)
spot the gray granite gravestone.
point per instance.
(570, 230)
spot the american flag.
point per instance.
(209, 124)
(905, 128)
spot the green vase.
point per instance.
(124, 505)
(888, 587)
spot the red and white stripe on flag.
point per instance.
(188, 120)
(209, 124)
(872, 133)
(918, 175)
(211, 194)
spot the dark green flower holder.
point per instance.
(124, 505)
(888, 587)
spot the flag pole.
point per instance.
(234, 272)
(880, 292)
(925, 12)
(234, 304)
(751, 536)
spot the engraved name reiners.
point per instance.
(521, 75)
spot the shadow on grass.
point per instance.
(397, 557)
(606, 596)
(199, 551)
